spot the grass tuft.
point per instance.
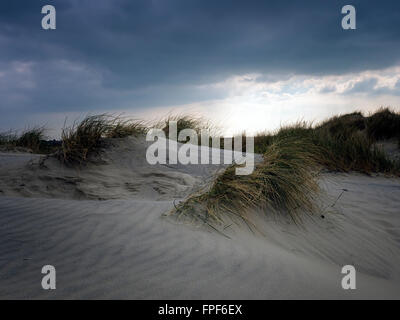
(86, 138)
(83, 139)
(383, 124)
(8, 138)
(32, 139)
(284, 181)
(122, 128)
(346, 143)
(188, 122)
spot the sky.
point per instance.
(245, 65)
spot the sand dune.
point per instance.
(121, 172)
(123, 247)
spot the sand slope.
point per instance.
(124, 248)
(120, 172)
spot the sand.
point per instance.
(103, 228)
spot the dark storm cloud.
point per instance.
(120, 53)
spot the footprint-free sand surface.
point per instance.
(105, 231)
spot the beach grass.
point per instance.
(346, 143)
(86, 138)
(286, 180)
(33, 140)
(383, 124)
(293, 156)
(188, 121)
(83, 139)
(121, 128)
(8, 138)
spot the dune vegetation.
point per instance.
(293, 157)
(8, 138)
(187, 121)
(183, 121)
(121, 128)
(85, 139)
(286, 179)
(347, 142)
(32, 140)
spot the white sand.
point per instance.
(123, 248)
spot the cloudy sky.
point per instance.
(244, 64)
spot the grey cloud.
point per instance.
(365, 86)
(328, 89)
(369, 87)
(142, 53)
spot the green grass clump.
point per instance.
(383, 124)
(32, 139)
(183, 122)
(349, 142)
(262, 141)
(187, 122)
(122, 128)
(284, 181)
(350, 122)
(349, 150)
(8, 138)
(346, 143)
(86, 138)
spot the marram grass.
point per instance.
(31, 139)
(285, 181)
(86, 138)
(121, 128)
(346, 143)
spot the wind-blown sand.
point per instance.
(123, 246)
